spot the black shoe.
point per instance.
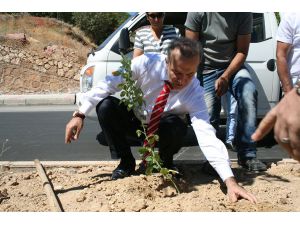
(141, 169)
(230, 146)
(121, 172)
(253, 165)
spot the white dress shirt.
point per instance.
(150, 72)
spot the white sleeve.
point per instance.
(285, 30)
(109, 86)
(213, 148)
(104, 88)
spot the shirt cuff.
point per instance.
(224, 172)
(86, 107)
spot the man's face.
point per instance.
(181, 70)
(156, 19)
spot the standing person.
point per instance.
(156, 37)
(288, 50)
(152, 72)
(225, 38)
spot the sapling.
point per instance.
(132, 97)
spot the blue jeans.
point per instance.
(230, 107)
(244, 91)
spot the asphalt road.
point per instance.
(37, 132)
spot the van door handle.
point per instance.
(271, 65)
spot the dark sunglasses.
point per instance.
(156, 15)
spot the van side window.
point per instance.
(258, 30)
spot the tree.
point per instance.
(64, 16)
(98, 26)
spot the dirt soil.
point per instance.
(89, 188)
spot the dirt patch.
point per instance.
(89, 188)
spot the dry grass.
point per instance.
(45, 31)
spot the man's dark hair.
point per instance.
(187, 47)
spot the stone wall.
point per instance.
(23, 70)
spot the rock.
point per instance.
(47, 66)
(49, 173)
(3, 193)
(60, 72)
(58, 187)
(81, 198)
(85, 170)
(14, 183)
(283, 201)
(27, 177)
(4, 168)
(59, 65)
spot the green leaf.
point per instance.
(173, 172)
(138, 133)
(149, 170)
(164, 171)
(157, 167)
(149, 158)
(123, 93)
(143, 150)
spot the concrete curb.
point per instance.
(40, 99)
(30, 164)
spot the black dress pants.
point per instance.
(117, 124)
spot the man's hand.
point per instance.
(284, 117)
(73, 129)
(221, 86)
(235, 191)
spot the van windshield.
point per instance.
(112, 34)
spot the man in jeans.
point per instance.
(225, 38)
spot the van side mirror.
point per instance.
(124, 41)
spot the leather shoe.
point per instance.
(141, 169)
(119, 173)
(253, 165)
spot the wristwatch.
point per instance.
(297, 86)
(78, 114)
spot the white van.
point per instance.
(260, 61)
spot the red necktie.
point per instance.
(157, 112)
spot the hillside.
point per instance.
(40, 55)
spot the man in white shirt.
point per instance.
(187, 97)
(288, 50)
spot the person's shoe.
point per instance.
(121, 172)
(141, 169)
(230, 146)
(253, 165)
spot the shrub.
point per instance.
(98, 26)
